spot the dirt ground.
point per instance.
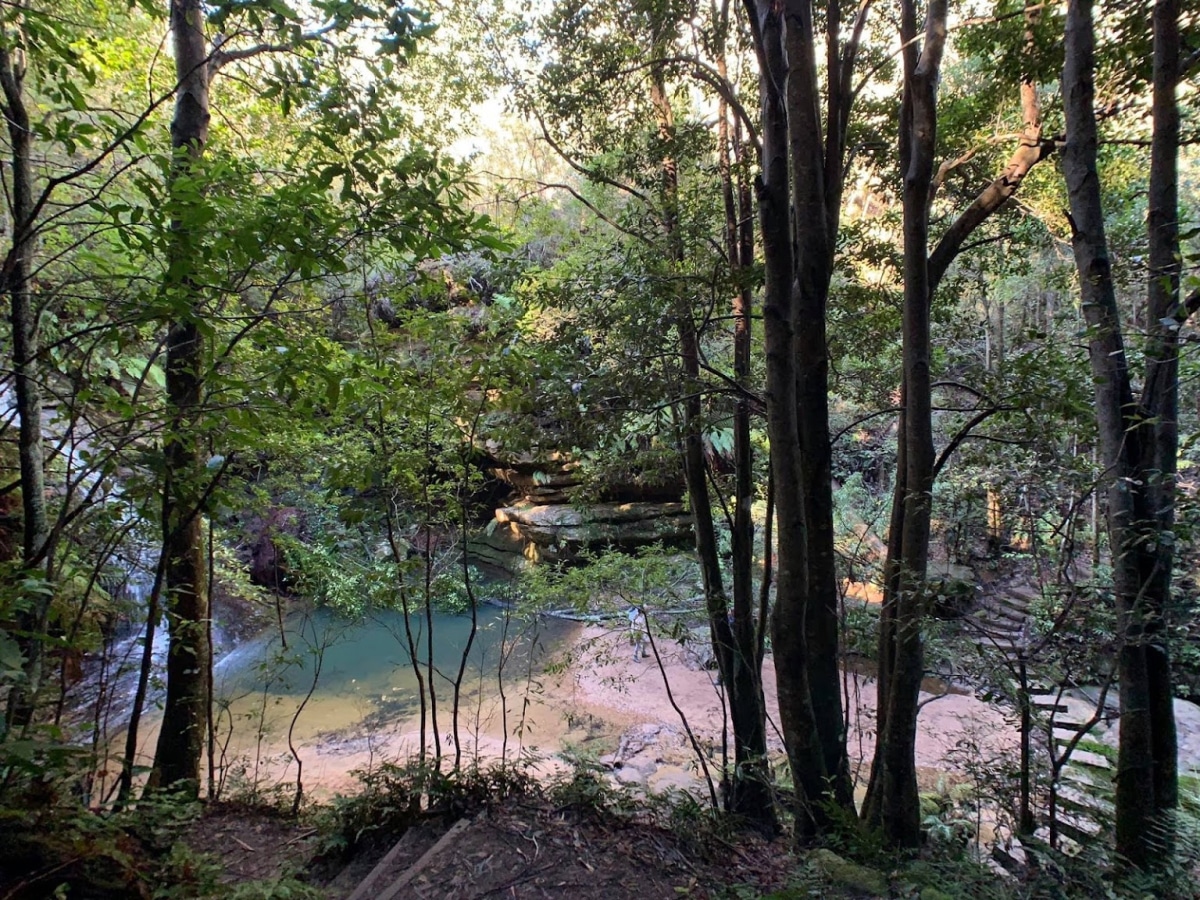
(252, 843)
(955, 729)
(522, 849)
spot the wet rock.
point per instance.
(268, 567)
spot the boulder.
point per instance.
(501, 546)
(698, 652)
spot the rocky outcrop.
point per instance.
(535, 484)
(546, 519)
(528, 533)
(556, 479)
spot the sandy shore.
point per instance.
(593, 700)
(952, 730)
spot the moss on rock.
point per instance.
(843, 873)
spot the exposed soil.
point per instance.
(522, 849)
(253, 843)
(539, 851)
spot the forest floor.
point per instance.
(521, 848)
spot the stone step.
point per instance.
(1096, 782)
(1064, 733)
(1001, 629)
(1074, 719)
(997, 612)
(1085, 803)
(1011, 602)
(1013, 860)
(1089, 759)
(1005, 649)
(1048, 703)
(1003, 644)
(1023, 593)
(1083, 835)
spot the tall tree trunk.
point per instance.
(891, 802)
(750, 779)
(32, 620)
(895, 805)
(798, 723)
(1137, 444)
(181, 738)
(695, 466)
(1160, 395)
(799, 194)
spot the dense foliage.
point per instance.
(867, 290)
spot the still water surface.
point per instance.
(360, 672)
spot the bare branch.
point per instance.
(590, 174)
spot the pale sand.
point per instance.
(607, 679)
(599, 704)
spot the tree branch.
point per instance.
(962, 435)
(1188, 307)
(220, 57)
(583, 170)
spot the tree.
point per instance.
(189, 658)
(896, 806)
(1138, 438)
(320, 70)
(799, 197)
(62, 156)
(741, 651)
(638, 57)
(892, 801)
(16, 283)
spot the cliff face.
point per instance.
(543, 523)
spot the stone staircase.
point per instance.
(1082, 807)
(1001, 624)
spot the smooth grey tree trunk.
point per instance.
(895, 806)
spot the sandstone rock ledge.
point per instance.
(527, 533)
